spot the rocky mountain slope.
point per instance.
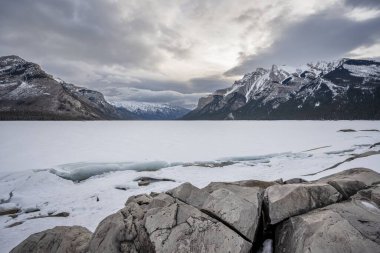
(28, 93)
(153, 111)
(337, 213)
(344, 89)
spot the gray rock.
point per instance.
(59, 239)
(238, 207)
(239, 212)
(351, 226)
(109, 234)
(164, 225)
(164, 218)
(189, 194)
(284, 201)
(350, 181)
(142, 199)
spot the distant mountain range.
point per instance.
(345, 89)
(153, 111)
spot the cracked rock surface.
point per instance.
(338, 213)
(349, 226)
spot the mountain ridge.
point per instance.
(152, 111)
(342, 89)
(29, 93)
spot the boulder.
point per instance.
(189, 194)
(59, 239)
(166, 224)
(350, 181)
(350, 226)
(237, 206)
(287, 200)
(241, 213)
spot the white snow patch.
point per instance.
(59, 80)
(363, 70)
(267, 246)
(257, 85)
(24, 90)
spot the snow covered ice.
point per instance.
(81, 167)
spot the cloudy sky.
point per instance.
(175, 51)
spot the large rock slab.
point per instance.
(59, 239)
(350, 181)
(284, 201)
(350, 226)
(161, 223)
(239, 207)
(190, 194)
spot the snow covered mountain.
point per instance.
(153, 111)
(27, 92)
(344, 89)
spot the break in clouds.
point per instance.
(175, 51)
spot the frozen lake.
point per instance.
(38, 145)
(68, 166)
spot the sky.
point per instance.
(175, 51)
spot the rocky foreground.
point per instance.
(338, 213)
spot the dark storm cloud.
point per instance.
(363, 3)
(89, 31)
(324, 36)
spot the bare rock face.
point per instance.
(58, 239)
(164, 224)
(237, 206)
(284, 201)
(350, 226)
(350, 181)
(29, 93)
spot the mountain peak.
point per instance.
(342, 89)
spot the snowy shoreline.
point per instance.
(188, 152)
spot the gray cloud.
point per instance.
(324, 36)
(178, 50)
(363, 3)
(88, 31)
